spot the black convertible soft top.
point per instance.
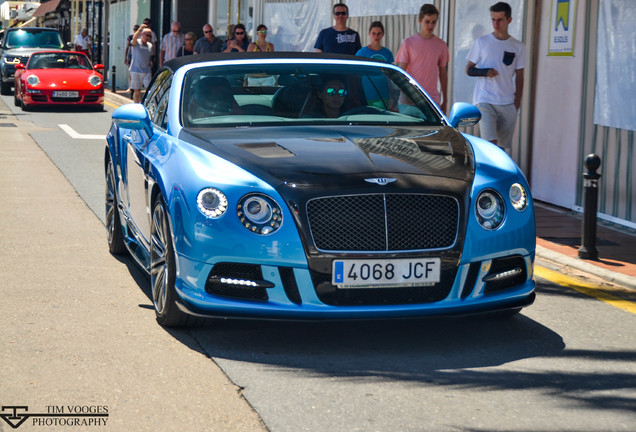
(177, 62)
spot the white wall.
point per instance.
(557, 111)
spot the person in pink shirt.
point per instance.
(425, 56)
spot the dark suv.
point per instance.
(17, 46)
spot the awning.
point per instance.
(45, 8)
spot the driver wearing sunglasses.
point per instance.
(332, 97)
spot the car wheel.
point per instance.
(5, 89)
(162, 270)
(115, 235)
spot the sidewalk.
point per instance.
(559, 237)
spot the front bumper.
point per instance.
(46, 97)
(292, 293)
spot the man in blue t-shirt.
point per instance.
(339, 39)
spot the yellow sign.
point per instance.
(562, 18)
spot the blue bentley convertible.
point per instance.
(304, 186)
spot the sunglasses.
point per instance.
(333, 92)
(239, 33)
(340, 13)
(207, 31)
(262, 32)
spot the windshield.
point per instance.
(34, 38)
(61, 60)
(306, 93)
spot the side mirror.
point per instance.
(69, 46)
(98, 66)
(133, 116)
(20, 66)
(464, 114)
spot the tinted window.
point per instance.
(33, 38)
(302, 93)
(61, 60)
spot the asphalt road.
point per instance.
(77, 328)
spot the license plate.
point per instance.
(379, 273)
(65, 94)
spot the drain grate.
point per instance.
(7, 125)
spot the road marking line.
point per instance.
(71, 132)
(589, 289)
(111, 104)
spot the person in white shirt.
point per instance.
(497, 60)
(83, 42)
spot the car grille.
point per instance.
(383, 222)
(58, 99)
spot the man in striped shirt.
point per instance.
(171, 43)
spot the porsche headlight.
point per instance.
(518, 197)
(212, 202)
(33, 80)
(489, 209)
(94, 80)
(259, 214)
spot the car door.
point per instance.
(138, 157)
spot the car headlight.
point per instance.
(33, 80)
(94, 80)
(259, 214)
(212, 202)
(518, 197)
(11, 60)
(489, 209)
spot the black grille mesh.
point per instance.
(383, 222)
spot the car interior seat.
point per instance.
(289, 99)
(213, 96)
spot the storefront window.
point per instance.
(615, 65)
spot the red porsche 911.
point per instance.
(58, 78)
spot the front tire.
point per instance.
(162, 270)
(115, 235)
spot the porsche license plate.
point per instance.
(378, 273)
(65, 94)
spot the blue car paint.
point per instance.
(200, 242)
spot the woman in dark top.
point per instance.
(239, 41)
(188, 48)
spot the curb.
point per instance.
(608, 275)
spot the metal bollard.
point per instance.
(113, 87)
(590, 204)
